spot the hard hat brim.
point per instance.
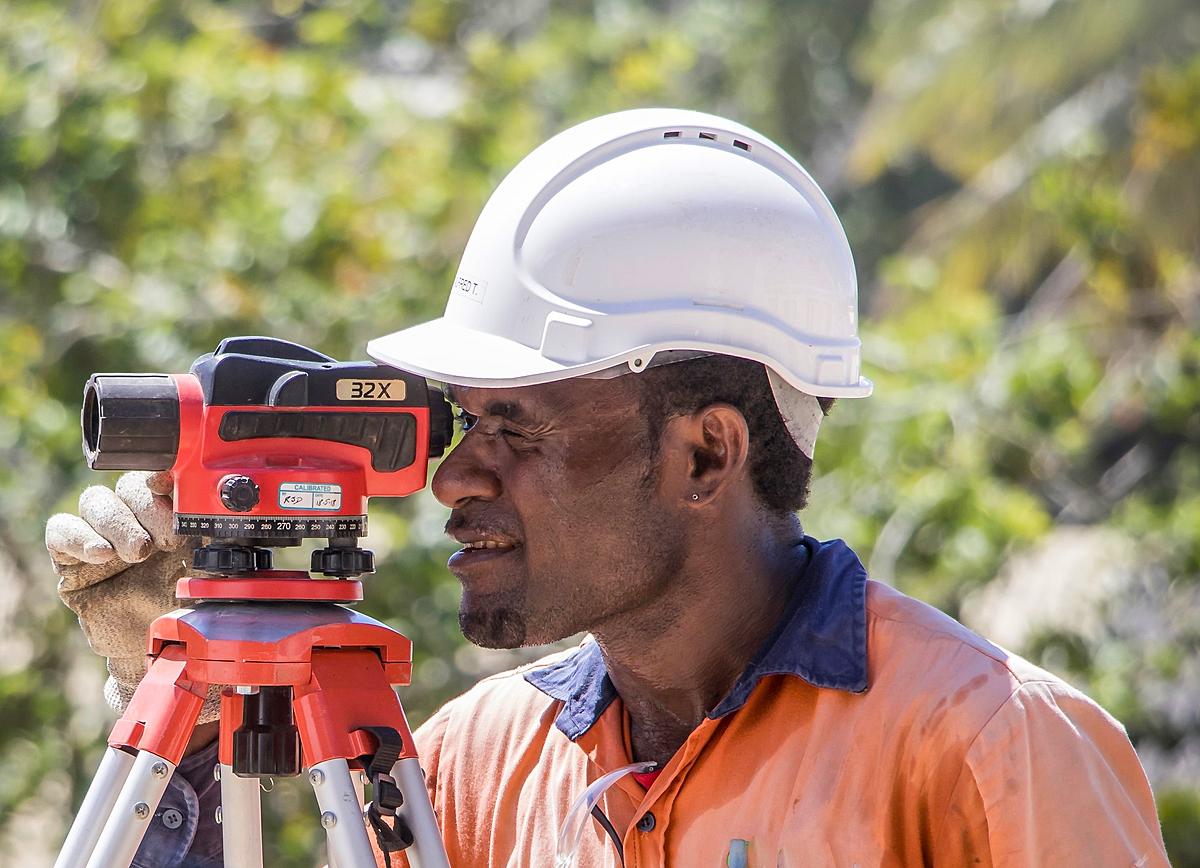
(448, 352)
(451, 353)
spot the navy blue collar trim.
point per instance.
(581, 683)
(821, 637)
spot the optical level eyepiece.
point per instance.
(130, 422)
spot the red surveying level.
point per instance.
(269, 443)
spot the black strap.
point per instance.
(608, 827)
(386, 796)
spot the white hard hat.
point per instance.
(642, 232)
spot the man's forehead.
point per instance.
(538, 399)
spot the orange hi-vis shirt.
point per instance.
(871, 730)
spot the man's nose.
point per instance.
(462, 477)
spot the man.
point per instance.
(652, 315)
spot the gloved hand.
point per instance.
(118, 562)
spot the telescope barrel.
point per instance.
(130, 422)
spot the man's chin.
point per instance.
(492, 627)
(506, 620)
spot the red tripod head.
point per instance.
(269, 443)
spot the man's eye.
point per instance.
(466, 420)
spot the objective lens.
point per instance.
(130, 422)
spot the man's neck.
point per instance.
(674, 661)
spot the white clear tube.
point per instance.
(571, 834)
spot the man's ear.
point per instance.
(706, 451)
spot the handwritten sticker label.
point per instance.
(470, 287)
(317, 496)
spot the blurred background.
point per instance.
(1019, 180)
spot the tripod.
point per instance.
(311, 681)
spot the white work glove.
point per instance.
(118, 561)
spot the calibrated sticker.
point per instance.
(370, 390)
(310, 495)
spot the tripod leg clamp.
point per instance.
(386, 794)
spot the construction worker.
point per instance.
(653, 314)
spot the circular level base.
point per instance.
(294, 586)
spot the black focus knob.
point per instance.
(239, 493)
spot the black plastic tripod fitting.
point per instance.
(267, 743)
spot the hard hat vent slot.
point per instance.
(710, 136)
(738, 143)
(673, 134)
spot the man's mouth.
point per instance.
(479, 555)
(487, 544)
(479, 547)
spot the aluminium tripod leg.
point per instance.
(96, 808)
(131, 814)
(241, 802)
(157, 724)
(359, 790)
(241, 820)
(427, 850)
(341, 814)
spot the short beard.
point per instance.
(492, 626)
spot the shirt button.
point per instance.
(646, 823)
(172, 819)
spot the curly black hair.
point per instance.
(779, 470)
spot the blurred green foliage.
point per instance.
(1018, 180)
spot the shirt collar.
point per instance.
(821, 638)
